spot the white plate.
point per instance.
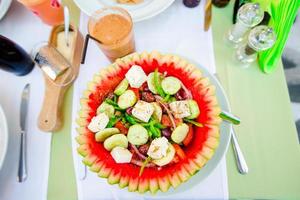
(138, 12)
(3, 136)
(4, 5)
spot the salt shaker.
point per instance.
(260, 38)
(249, 15)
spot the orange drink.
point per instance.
(112, 27)
(50, 11)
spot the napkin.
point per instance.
(177, 30)
(283, 14)
(26, 29)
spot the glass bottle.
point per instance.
(249, 15)
(260, 38)
(220, 3)
(13, 58)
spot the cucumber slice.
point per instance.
(122, 87)
(137, 135)
(166, 159)
(102, 135)
(171, 85)
(180, 133)
(121, 155)
(194, 109)
(98, 122)
(117, 140)
(150, 82)
(127, 99)
(106, 108)
(157, 114)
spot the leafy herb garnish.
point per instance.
(167, 98)
(112, 121)
(193, 122)
(156, 133)
(114, 104)
(157, 84)
(144, 165)
(130, 119)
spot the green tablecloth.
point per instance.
(267, 134)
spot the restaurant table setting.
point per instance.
(38, 143)
(49, 103)
(201, 53)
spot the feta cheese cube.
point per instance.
(98, 122)
(180, 109)
(136, 76)
(158, 148)
(143, 110)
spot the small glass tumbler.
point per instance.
(50, 11)
(249, 15)
(112, 27)
(260, 38)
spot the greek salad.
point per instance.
(147, 120)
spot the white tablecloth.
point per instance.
(177, 30)
(26, 29)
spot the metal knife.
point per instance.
(207, 17)
(22, 171)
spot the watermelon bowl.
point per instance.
(206, 150)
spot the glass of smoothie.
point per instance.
(113, 28)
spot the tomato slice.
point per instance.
(175, 160)
(121, 127)
(189, 137)
(179, 151)
(178, 121)
(165, 120)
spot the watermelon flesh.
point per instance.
(179, 171)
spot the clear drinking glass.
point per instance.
(113, 28)
(49, 11)
(249, 15)
(260, 38)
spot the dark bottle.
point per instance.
(236, 7)
(14, 58)
(191, 3)
(220, 3)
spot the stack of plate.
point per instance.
(4, 5)
(138, 12)
(3, 136)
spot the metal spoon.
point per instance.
(238, 154)
(67, 24)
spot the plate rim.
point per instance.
(5, 133)
(221, 150)
(86, 10)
